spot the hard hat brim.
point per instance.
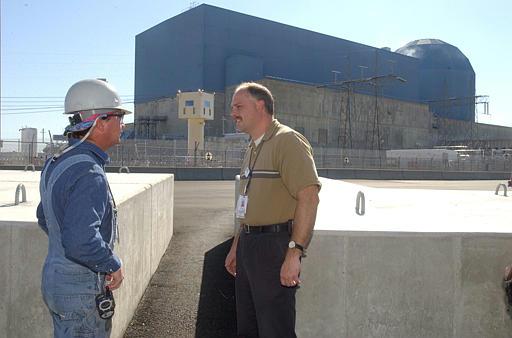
(122, 108)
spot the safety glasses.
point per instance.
(120, 116)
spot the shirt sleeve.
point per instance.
(41, 219)
(84, 214)
(296, 163)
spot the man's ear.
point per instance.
(100, 125)
(260, 104)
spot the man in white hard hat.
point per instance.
(78, 213)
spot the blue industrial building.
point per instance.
(212, 48)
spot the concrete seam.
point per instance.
(344, 284)
(151, 244)
(9, 301)
(457, 285)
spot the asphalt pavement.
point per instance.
(191, 294)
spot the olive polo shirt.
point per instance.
(282, 165)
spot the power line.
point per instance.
(34, 112)
(47, 97)
(33, 108)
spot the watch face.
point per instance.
(291, 244)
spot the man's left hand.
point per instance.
(290, 269)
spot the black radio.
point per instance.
(105, 304)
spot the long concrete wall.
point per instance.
(215, 174)
(146, 225)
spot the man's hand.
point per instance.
(115, 279)
(290, 269)
(508, 273)
(230, 262)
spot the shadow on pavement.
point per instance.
(216, 315)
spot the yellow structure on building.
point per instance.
(196, 107)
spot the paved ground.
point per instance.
(191, 295)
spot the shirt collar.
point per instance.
(103, 156)
(271, 130)
(258, 140)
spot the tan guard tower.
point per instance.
(196, 107)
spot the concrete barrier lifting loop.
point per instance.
(504, 189)
(124, 169)
(17, 194)
(31, 166)
(360, 203)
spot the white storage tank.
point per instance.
(29, 142)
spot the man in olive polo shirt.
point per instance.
(277, 209)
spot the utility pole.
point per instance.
(42, 133)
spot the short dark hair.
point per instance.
(259, 92)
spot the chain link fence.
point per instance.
(174, 154)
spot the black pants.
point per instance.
(264, 307)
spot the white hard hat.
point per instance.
(87, 95)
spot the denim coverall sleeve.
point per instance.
(85, 213)
(41, 220)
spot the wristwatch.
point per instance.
(295, 245)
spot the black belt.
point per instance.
(280, 227)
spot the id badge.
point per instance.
(241, 206)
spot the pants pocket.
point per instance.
(76, 316)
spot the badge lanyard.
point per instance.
(252, 169)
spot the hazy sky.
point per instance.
(48, 45)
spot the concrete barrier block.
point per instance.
(23, 247)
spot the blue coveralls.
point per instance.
(76, 211)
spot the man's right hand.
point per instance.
(508, 272)
(115, 279)
(230, 262)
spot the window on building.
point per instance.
(189, 103)
(207, 104)
(322, 136)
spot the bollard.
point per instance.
(17, 194)
(31, 166)
(504, 189)
(360, 204)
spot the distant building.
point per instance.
(214, 49)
